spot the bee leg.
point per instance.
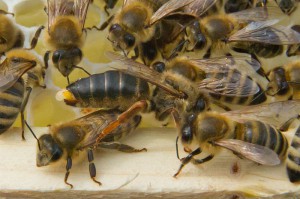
(286, 125)
(103, 26)
(3, 40)
(123, 117)
(186, 160)
(68, 167)
(68, 80)
(35, 38)
(136, 53)
(6, 13)
(106, 10)
(177, 49)
(24, 103)
(219, 104)
(92, 167)
(46, 58)
(120, 147)
(200, 161)
(207, 54)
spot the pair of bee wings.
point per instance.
(78, 8)
(229, 76)
(10, 73)
(96, 122)
(266, 32)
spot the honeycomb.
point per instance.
(43, 109)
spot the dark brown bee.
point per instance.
(64, 141)
(248, 133)
(65, 35)
(13, 88)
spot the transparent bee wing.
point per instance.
(77, 8)
(168, 8)
(254, 152)
(139, 70)
(199, 7)
(265, 32)
(80, 10)
(10, 73)
(276, 113)
(233, 85)
(257, 14)
(244, 64)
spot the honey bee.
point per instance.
(114, 89)
(292, 163)
(12, 86)
(251, 133)
(65, 140)
(226, 79)
(139, 21)
(247, 31)
(65, 35)
(10, 35)
(284, 81)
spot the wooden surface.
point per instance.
(147, 174)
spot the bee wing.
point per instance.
(254, 152)
(244, 64)
(9, 74)
(257, 14)
(235, 85)
(265, 32)
(276, 113)
(199, 7)
(168, 8)
(97, 121)
(139, 70)
(80, 10)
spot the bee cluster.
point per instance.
(190, 60)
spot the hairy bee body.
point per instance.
(10, 35)
(293, 164)
(111, 89)
(10, 104)
(65, 33)
(211, 127)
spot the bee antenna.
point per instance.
(33, 134)
(177, 153)
(82, 69)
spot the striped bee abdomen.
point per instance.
(111, 89)
(10, 104)
(265, 135)
(293, 158)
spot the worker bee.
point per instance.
(247, 31)
(65, 140)
(13, 87)
(251, 133)
(65, 35)
(226, 79)
(139, 21)
(284, 81)
(292, 158)
(10, 35)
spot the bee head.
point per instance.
(65, 60)
(287, 6)
(121, 39)
(48, 152)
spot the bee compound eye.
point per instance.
(129, 39)
(159, 67)
(56, 56)
(200, 104)
(115, 27)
